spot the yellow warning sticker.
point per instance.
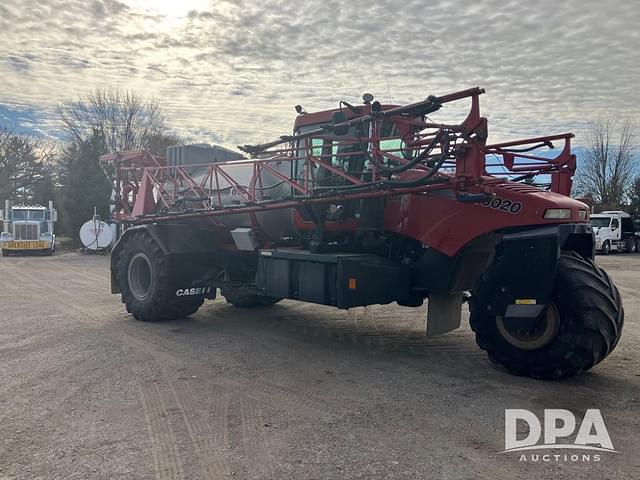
(525, 301)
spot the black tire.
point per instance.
(606, 248)
(242, 298)
(588, 314)
(144, 282)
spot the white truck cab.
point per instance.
(615, 232)
(28, 228)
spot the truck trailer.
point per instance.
(372, 204)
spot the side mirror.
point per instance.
(337, 118)
(1, 215)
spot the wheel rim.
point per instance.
(534, 338)
(139, 276)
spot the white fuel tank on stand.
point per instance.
(96, 235)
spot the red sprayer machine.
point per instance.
(372, 204)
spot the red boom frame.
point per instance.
(148, 190)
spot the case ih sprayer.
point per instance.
(372, 204)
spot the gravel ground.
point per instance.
(287, 392)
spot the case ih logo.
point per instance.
(591, 436)
(185, 292)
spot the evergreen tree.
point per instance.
(84, 184)
(45, 189)
(634, 197)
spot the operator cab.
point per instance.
(339, 151)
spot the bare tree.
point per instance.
(609, 162)
(125, 120)
(23, 164)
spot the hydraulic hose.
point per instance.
(390, 183)
(425, 180)
(412, 163)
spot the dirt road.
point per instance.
(287, 392)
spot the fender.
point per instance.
(191, 250)
(527, 256)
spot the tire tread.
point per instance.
(589, 332)
(164, 305)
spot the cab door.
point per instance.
(615, 229)
(341, 153)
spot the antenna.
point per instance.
(389, 91)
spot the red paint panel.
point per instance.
(444, 223)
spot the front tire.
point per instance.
(606, 248)
(144, 280)
(580, 327)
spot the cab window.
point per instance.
(20, 214)
(36, 215)
(392, 145)
(600, 222)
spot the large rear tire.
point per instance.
(143, 277)
(578, 330)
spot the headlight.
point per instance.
(46, 235)
(583, 214)
(557, 213)
(6, 236)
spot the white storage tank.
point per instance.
(96, 235)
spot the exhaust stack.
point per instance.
(7, 216)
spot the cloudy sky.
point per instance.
(231, 71)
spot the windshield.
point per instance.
(344, 151)
(26, 214)
(600, 222)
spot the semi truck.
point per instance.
(615, 231)
(28, 228)
(373, 204)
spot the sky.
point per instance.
(231, 72)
